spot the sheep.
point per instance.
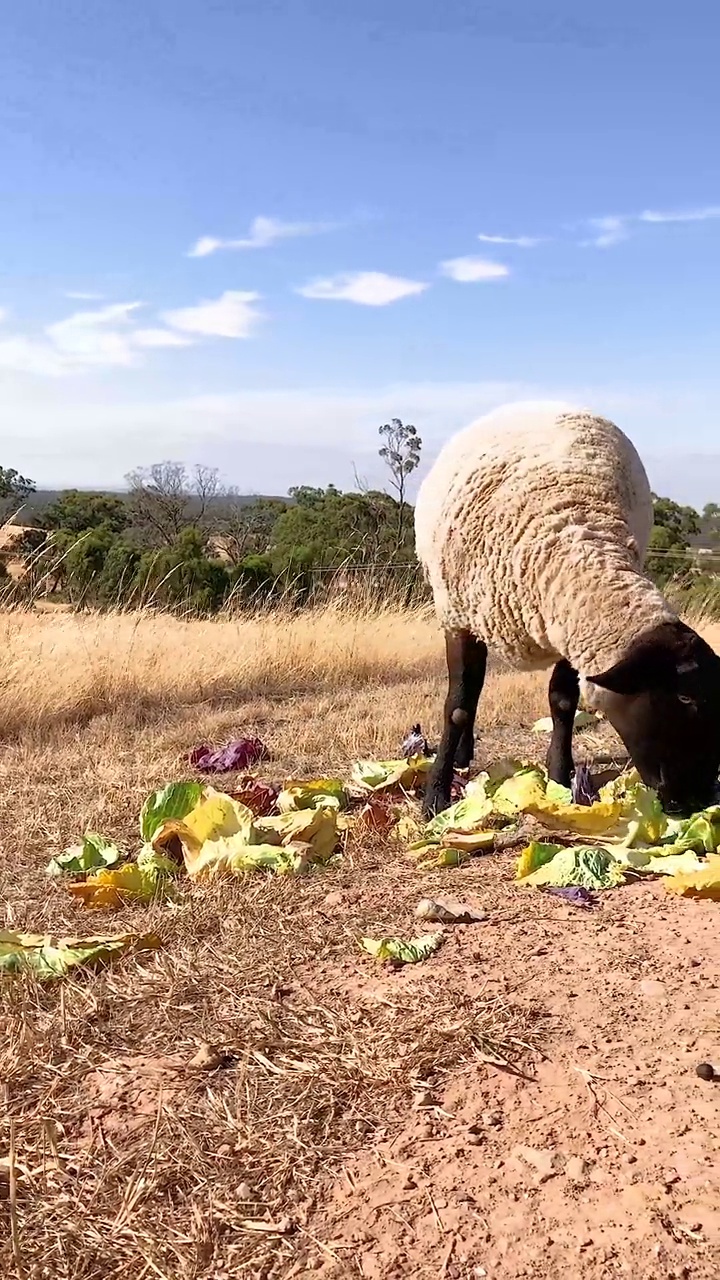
(532, 528)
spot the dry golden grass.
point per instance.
(116, 1158)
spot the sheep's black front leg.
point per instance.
(466, 660)
(564, 698)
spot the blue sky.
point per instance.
(245, 232)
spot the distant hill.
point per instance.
(37, 502)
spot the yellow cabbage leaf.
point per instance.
(697, 884)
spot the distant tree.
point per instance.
(13, 485)
(711, 522)
(307, 495)
(246, 529)
(85, 561)
(78, 511)
(401, 452)
(683, 522)
(668, 554)
(14, 489)
(182, 576)
(165, 499)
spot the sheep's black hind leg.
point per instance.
(564, 698)
(466, 661)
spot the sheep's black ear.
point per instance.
(646, 666)
(626, 677)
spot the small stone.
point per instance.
(224, 1150)
(207, 1058)
(576, 1169)
(628, 1158)
(653, 989)
(426, 1131)
(670, 1177)
(334, 899)
(409, 1183)
(545, 1161)
(492, 1119)
(423, 1099)
(705, 1070)
(475, 1139)
(446, 912)
(245, 1191)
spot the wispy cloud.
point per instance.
(607, 231)
(612, 230)
(522, 242)
(263, 233)
(367, 288)
(81, 341)
(84, 297)
(473, 270)
(681, 215)
(232, 315)
(159, 338)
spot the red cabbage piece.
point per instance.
(583, 788)
(239, 754)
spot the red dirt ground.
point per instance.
(603, 1162)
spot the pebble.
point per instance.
(628, 1158)
(705, 1070)
(475, 1139)
(544, 1160)
(653, 989)
(207, 1058)
(426, 1131)
(423, 1099)
(492, 1119)
(576, 1169)
(245, 1191)
(334, 899)
(447, 912)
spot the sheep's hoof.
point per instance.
(435, 801)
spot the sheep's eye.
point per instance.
(686, 701)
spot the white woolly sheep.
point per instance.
(532, 528)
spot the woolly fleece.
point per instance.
(532, 527)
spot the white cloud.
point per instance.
(522, 242)
(367, 288)
(207, 245)
(84, 341)
(84, 297)
(232, 315)
(608, 231)
(263, 233)
(687, 215)
(95, 337)
(159, 338)
(613, 230)
(472, 270)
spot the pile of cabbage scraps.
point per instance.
(46, 956)
(626, 833)
(189, 828)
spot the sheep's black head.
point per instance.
(663, 699)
